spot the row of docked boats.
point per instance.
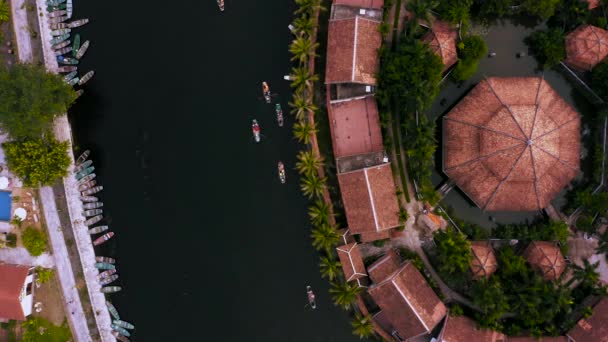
(93, 212)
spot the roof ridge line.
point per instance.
(503, 180)
(555, 129)
(535, 179)
(506, 106)
(485, 127)
(484, 157)
(540, 83)
(558, 158)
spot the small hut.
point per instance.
(586, 47)
(483, 263)
(546, 258)
(442, 40)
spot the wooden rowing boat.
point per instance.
(83, 157)
(93, 220)
(98, 229)
(110, 289)
(105, 237)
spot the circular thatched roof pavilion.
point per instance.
(586, 47)
(512, 144)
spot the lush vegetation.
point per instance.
(470, 51)
(43, 275)
(37, 161)
(537, 231)
(548, 47)
(420, 145)
(37, 329)
(5, 11)
(31, 98)
(362, 326)
(599, 80)
(11, 240)
(34, 240)
(453, 251)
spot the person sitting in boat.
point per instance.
(265, 87)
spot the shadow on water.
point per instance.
(506, 39)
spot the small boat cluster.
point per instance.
(257, 131)
(220, 4)
(87, 185)
(68, 56)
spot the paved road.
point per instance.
(22, 32)
(20, 256)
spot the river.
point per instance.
(209, 245)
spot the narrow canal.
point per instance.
(210, 246)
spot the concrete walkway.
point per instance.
(20, 256)
(22, 30)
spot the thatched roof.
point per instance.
(512, 144)
(546, 258)
(442, 40)
(483, 263)
(586, 47)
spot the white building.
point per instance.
(16, 291)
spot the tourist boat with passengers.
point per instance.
(78, 23)
(120, 337)
(281, 168)
(112, 310)
(110, 289)
(279, 111)
(86, 186)
(105, 237)
(93, 220)
(87, 178)
(108, 280)
(67, 60)
(68, 77)
(266, 91)
(89, 198)
(92, 212)
(92, 205)
(67, 68)
(121, 330)
(84, 172)
(59, 39)
(84, 165)
(255, 129)
(86, 77)
(63, 51)
(82, 50)
(123, 324)
(98, 229)
(81, 159)
(61, 45)
(220, 4)
(92, 190)
(105, 259)
(106, 274)
(104, 266)
(311, 297)
(58, 13)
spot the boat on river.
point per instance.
(92, 205)
(98, 229)
(76, 45)
(54, 2)
(61, 32)
(74, 81)
(266, 91)
(220, 4)
(279, 111)
(70, 8)
(82, 50)
(67, 68)
(86, 77)
(92, 190)
(81, 159)
(81, 166)
(92, 212)
(93, 220)
(87, 178)
(78, 23)
(123, 324)
(59, 39)
(68, 77)
(120, 337)
(57, 20)
(82, 173)
(104, 266)
(56, 7)
(281, 168)
(112, 310)
(58, 26)
(121, 330)
(255, 129)
(105, 259)
(108, 280)
(111, 289)
(86, 186)
(105, 237)
(79, 93)
(106, 274)
(58, 13)
(63, 51)
(61, 45)
(89, 198)
(311, 297)
(67, 60)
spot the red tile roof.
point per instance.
(483, 263)
(12, 278)
(593, 4)
(346, 237)
(586, 47)
(442, 40)
(361, 3)
(352, 51)
(534, 339)
(383, 267)
(594, 328)
(369, 199)
(463, 329)
(546, 258)
(408, 302)
(355, 127)
(374, 236)
(512, 144)
(352, 261)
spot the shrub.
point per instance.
(37, 161)
(11, 240)
(44, 274)
(34, 241)
(453, 251)
(543, 9)
(464, 70)
(474, 48)
(547, 47)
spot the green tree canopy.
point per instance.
(548, 47)
(37, 161)
(543, 9)
(599, 79)
(31, 98)
(453, 251)
(34, 240)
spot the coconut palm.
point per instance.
(308, 162)
(362, 325)
(319, 213)
(5, 11)
(302, 79)
(313, 186)
(325, 237)
(301, 48)
(330, 268)
(303, 131)
(309, 6)
(301, 106)
(420, 10)
(304, 24)
(344, 294)
(587, 275)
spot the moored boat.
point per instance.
(58, 26)
(61, 45)
(108, 280)
(105, 259)
(105, 237)
(79, 93)
(220, 4)
(255, 129)
(279, 111)
(61, 32)
(111, 289)
(93, 212)
(57, 20)
(67, 68)
(76, 45)
(112, 310)
(281, 168)
(54, 2)
(63, 51)
(92, 190)
(89, 198)
(82, 173)
(81, 159)
(106, 274)
(82, 50)
(87, 178)
(93, 220)
(86, 186)
(104, 266)
(81, 166)
(59, 39)
(56, 7)
(311, 297)
(123, 324)
(67, 60)
(69, 76)
(266, 91)
(120, 337)
(78, 23)
(86, 77)
(92, 205)
(73, 81)
(57, 13)
(98, 229)
(121, 330)
(69, 8)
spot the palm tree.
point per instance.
(362, 325)
(325, 237)
(303, 131)
(319, 213)
(309, 6)
(5, 11)
(304, 24)
(420, 10)
(344, 294)
(308, 162)
(587, 275)
(330, 268)
(313, 186)
(301, 105)
(302, 79)
(301, 48)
